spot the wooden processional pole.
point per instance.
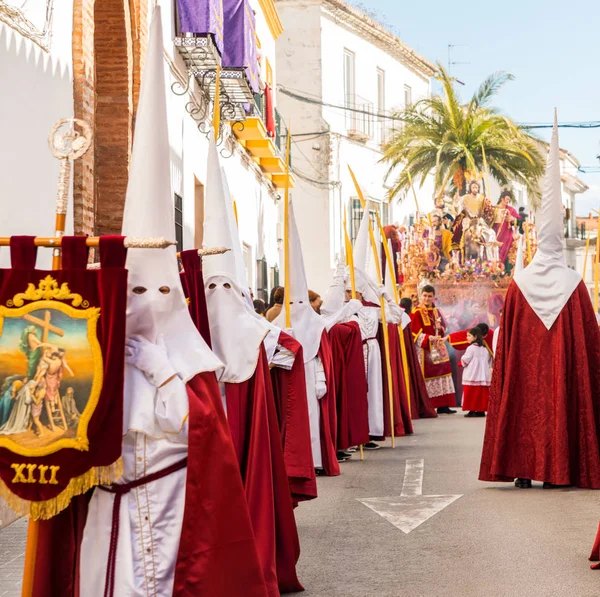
(286, 236)
(392, 274)
(386, 339)
(65, 145)
(350, 264)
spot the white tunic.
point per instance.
(151, 515)
(368, 321)
(316, 388)
(477, 362)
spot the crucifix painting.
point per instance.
(47, 368)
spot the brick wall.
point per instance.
(109, 45)
(84, 106)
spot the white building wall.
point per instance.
(37, 91)
(257, 209)
(311, 63)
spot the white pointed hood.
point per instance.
(547, 282)
(236, 334)
(149, 211)
(307, 326)
(159, 313)
(364, 263)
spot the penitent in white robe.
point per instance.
(316, 388)
(368, 320)
(151, 515)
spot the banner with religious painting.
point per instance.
(62, 337)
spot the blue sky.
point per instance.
(551, 47)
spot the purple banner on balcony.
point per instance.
(202, 17)
(240, 39)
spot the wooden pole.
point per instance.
(528, 242)
(350, 258)
(597, 264)
(392, 274)
(94, 241)
(286, 236)
(350, 264)
(216, 121)
(414, 192)
(386, 339)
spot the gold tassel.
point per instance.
(101, 475)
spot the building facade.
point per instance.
(85, 58)
(341, 77)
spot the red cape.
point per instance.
(544, 410)
(328, 411)
(402, 419)
(350, 384)
(420, 402)
(193, 288)
(254, 427)
(289, 387)
(458, 340)
(216, 536)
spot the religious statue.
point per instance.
(476, 215)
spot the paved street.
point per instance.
(494, 541)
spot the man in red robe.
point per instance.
(544, 410)
(428, 327)
(239, 338)
(421, 407)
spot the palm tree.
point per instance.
(440, 135)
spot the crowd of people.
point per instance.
(231, 409)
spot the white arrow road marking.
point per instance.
(411, 509)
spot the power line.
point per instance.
(299, 96)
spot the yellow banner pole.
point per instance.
(597, 264)
(350, 264)
(414, 193)
(527, 242)
(392, 274)
(488, 190)
(349, 258)
(286, 236)
(386, 339)
(216, 121)
(235, 213)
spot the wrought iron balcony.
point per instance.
(359, 118)
(198, 50)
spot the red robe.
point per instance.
(423, 323)
(328, 411)
(402, 418)
(350, 384)
(420, 403)
(458, 340)
(252, 417)
(216, 536)
(289, 387)
(544, 410)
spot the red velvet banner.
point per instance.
(62, 338)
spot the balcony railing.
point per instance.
(281, 132)
(360, 118)
(385, 129)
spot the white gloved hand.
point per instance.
(151, 359)
(353, 306)
(382, 292)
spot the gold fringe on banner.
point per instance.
(101, 475)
